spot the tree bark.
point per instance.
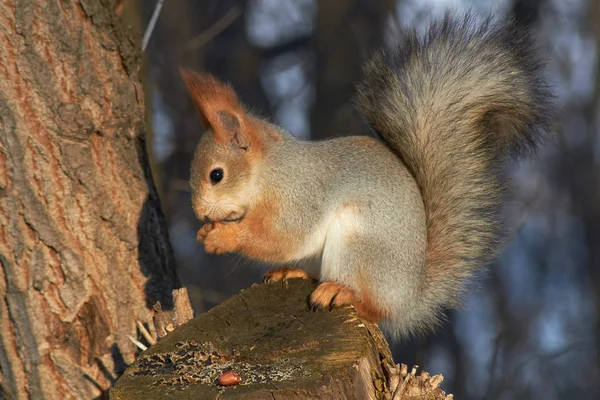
(279, 349)
(83, 246)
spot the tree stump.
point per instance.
(267, 343)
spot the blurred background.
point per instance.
(530, 325)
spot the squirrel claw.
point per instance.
(330, 295)
(285, 273)
(204, 230)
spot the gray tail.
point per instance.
(454, 104)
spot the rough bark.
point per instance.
(83, 247)
(280, 349)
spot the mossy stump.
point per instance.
(279, 348)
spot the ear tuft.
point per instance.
(219, 107)
(233, 129)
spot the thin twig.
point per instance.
(145, 333)
(151, 24)
(223, 23)
(137, 343)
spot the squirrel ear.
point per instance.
(219, 107)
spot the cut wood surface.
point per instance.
(267, 343)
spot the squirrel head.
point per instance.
(226, 157)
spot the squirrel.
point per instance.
(395, 226)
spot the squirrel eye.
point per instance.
(216, 175)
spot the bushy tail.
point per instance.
(454, 103)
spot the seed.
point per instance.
(229, 378)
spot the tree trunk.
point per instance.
(83, 246)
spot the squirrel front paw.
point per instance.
(219, 238)
(284, 273)
(331, 294)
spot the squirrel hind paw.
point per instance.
(285, 273)
(330, 295)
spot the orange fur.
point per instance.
(366, 304)
(368, 308)
(255, 235)
(219, 238)
(333, 294)
(212, 97)
(261, 239)
(283, 273)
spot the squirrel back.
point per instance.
(454, 105)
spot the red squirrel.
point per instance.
(394, 226)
